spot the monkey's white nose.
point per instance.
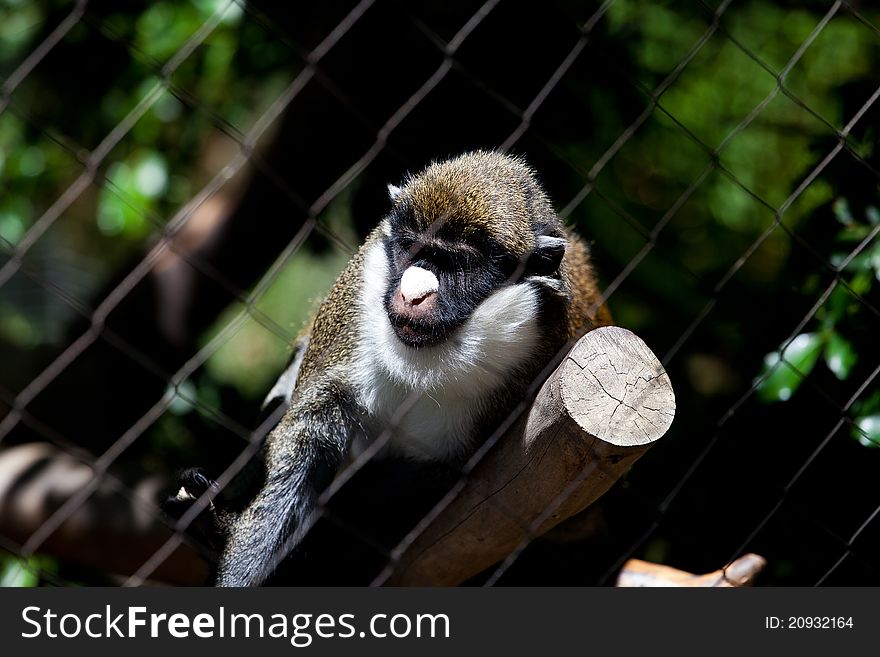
(416, 284)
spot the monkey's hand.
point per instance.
(210, 527)
(302, 455)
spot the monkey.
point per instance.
(435, 329)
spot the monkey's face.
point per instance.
(435, 283)
(438, 277)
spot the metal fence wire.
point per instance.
(182, 182)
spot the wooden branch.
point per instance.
(742, 572)
(109, 532)
(599, 411)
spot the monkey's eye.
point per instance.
(441, 258)
(547, 256)
(403, 242)
(511, 266)
(402, 249)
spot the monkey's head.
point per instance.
(460, 231)
(470, 265)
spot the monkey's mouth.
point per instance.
(416, 333)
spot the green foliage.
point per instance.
(152, 171)
(131, 190)
(840, 356)
(755, 60)
(19, 22)
(722, 84)
(784, 372)
(867, 430)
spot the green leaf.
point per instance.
(854, 233)
(787, 374)
(836, 305)
(840, 356)
(840, 207)
(867, 430)
(122, 206)
(861, 282)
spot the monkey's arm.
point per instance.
(302, 456)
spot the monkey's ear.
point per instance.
(547, 256)
(393, 191)
(282, 391)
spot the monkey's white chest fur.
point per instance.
(428, 399)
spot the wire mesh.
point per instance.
(661, 511)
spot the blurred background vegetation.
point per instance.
(720, 157)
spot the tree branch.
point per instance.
(599, 411)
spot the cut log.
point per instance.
(601, 409)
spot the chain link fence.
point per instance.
(183, 181)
